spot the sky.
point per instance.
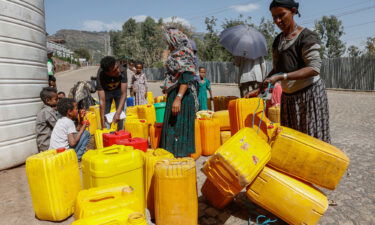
(357, 16)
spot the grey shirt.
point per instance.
(45, 122)
(310, 57)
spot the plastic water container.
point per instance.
(111, 165)
(113, 138)
(99, 200)
(176, 199)
(136, 143)
(130, 101)
(151, 158)
(160, 110)
(54, 183)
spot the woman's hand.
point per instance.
(273, 79)
(176, 106)
(252, 94)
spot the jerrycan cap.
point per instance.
(271, 126)
(128, 190)
(59, 150)
(148, 106)
(142, 121)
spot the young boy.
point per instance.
(61, 95)
(111, 85)
(52, 81)
(65, 135)
(46, 118)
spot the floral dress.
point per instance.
(139, 85)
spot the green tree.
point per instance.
(268, 29)
(116, 43)
(211, 49)
(238, 21)
(129, 28)
(370, 46)
(354, 51)
(82, 53)
(330, 30)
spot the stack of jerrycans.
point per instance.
(54, 182)
(151, 158)
(106, 201)
(113, 165)
(234, 166)
(303, 159)
(99, 137)
(176, 199)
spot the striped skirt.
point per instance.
(307, 111)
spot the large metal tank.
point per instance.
(23, 73)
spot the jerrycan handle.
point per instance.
(101, 198)
(114, 149)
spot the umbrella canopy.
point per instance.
(243, 40)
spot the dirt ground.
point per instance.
(352, 119)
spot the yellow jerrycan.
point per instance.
(115, 217)
(210, 136)
(91, 117)
(293, 201)
(215, 196)
(274, 114)
(198, 141)
(151, 158)
(137, 127)
(160, 99)
(132, 110)
(176, 200)
(106, 198)
(241, 112)
(148, 113)
(150, 98)
(237, 162)
(308, 158)
(96, 109)
(204, 114)
(223, 118)
(54, 183)
(113, 165)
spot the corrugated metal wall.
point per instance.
(23, 73)
(344, 73)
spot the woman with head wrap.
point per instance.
(182, 101)
(296, 63)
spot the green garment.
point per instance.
(50, 68)
(202, 95)
(178, 131)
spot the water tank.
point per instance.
(23, 74)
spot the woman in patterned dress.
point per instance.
(182, 101)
